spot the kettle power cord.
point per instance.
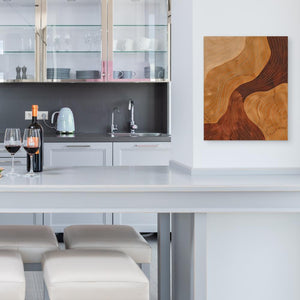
(45, 123)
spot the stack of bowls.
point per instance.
(58, 73)
(88, 74)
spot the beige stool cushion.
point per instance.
(12, 278)
(93, 275)
(31, 241)
(111, 237)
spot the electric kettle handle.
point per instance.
(53, 115)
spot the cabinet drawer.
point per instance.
(141, 154)
(78, 154)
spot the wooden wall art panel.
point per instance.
(246, 88)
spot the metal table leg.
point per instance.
(164, 278)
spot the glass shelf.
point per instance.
(144, 51)
(84, 25)
(26, 25)
(18, 52)
(71, 52)
(145, 25)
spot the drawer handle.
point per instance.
(146, 146)
(78, 146)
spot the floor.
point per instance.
(34, 281)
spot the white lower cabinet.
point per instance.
(140, 154)
(77, 155)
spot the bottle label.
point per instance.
(33, 142)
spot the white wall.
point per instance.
(250, 257)
(182, 82)
(253, 257)
(231, 17)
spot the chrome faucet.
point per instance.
(114, 127)
(132, 126)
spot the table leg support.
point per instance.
(163, 249)
(189, 257)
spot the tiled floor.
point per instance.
(34, 281)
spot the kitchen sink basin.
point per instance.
(137, 134)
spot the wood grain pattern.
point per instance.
(219, 51)
(221, 81)
(235, 123)
(269, 111)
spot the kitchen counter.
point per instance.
(154, 180)
(98, 138)
(163, 190)
(95, 138)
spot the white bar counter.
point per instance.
(162, 190)
(147, 189)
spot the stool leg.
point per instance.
(146, 269)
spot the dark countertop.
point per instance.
(98, 138)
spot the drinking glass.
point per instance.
(12, 143)
(31, 144)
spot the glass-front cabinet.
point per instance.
(18, 41)
(140, 40)
(84, 40)
(73, 40)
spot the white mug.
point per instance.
(115, 45)
(153, 45)
(143, 44)
(128, 45)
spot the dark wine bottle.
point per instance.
(38, 158)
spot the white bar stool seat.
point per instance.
(12, 278)
(110, 237)
(30, 240)
(93, 275)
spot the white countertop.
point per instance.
(147, 189)
(144, 179)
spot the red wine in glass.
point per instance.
(12, 143)
(12, 149)
(31, 150)
(31, 144)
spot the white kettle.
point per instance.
(65, 121)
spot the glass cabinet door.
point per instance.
(139, 40)
(17, 40)
(73, 40)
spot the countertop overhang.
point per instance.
(147, 189)
(146, 179)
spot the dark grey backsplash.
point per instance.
(91, 104)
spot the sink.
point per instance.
(137, 134)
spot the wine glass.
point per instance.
(31, 144)
(12, 143)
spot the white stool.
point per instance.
(32, 241)
(110, 237)
(93, 275)
(12, 278)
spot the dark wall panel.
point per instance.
(91, 104)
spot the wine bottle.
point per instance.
(38, 158)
